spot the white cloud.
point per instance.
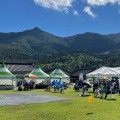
(64, 5)
(87, 10)
(102, 2)
(60, 5)
(75, 12)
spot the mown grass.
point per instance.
(77, 108)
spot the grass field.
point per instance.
(78, 108)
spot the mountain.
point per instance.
(91, 42)
(35, 44)
(29, 43)
(114, 37)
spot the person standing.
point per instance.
(107, 91)
(102, 90)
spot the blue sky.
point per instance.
(61, 17)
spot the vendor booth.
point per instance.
(58, 74)
(7, 79)
(39, 76)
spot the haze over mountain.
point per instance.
(37, 43)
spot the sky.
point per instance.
(61, 17)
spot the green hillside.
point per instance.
(91, 42)
(74, 60)
(38, 46)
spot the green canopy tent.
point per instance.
(58, 74)
(7, 79)
(41, 76)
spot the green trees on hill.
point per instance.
(48, 50)
(75, 60)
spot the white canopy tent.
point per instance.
(105, 72)
(117, 69)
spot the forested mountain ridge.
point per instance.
(36, 41)
(36, 45)
(92, 42)
(23, 46)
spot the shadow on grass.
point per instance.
(111, 99)
(90, 92)
(89, 113)
(85, 95)
(77, 91)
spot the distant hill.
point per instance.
(91, 42)
(114, 37)
(35, 44)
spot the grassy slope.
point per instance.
(74, 109)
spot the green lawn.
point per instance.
(74, 109)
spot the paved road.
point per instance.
(17, 99)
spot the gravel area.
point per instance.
(18, 99)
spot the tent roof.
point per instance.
(39, 72)
(104, 71)
(5, 72)
(117, 69)
(58, 73)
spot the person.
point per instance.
(107, 91)
(102, 90)
(55, 85)
(75, 87)
(84, 90)
(112, 92)
(49, 86)
(19, 84)
(60, 85)
(80, 85)
(25, 84)
(30, 85)
(115, 87)
(97, 92)
(95, 86)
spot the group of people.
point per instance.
(101, 89)
(26, 85)
(105, 89)
(83, 86)
(57, 85)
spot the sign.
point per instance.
(81, 76)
